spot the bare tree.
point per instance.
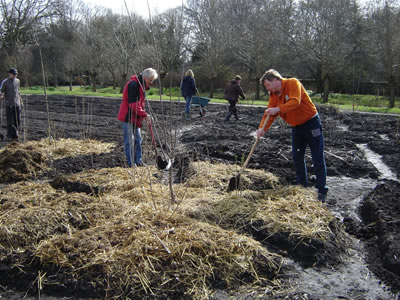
(384, 16)
(168, 32)
(92, 46)
(210, 33)
(70, 22)
(320, 39)
(19, 20)
(262, 37)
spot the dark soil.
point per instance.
(380, 212)
(374, 222)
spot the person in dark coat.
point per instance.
(232, 93)
(188, 89)
(12, 97)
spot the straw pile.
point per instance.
(125, 242)
(28, 160)
(130, 240)
(155, 254)
(217, 176)
(290, 209)
(19, 164)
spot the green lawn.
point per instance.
(367, 103)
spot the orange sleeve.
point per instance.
(272, 103)
(270, 121)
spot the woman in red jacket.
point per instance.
(131, 114)
(291, 102)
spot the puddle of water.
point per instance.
(384, 137)
(350, 280)
(376, 160)
(348, 193)
(343, 127)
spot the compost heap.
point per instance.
(120, 232)
(20, 161)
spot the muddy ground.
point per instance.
(362, 156)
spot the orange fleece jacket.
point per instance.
(295, 104)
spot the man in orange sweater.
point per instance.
(291, 102)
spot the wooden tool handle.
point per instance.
(153, 140)
(254, 147)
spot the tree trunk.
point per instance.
(122, 82)
(325, 85)
(326, 90)
(392, 91)
(212, 87)
(94, 82)
(161, 87)
(55, 83)
(163, 75)
(70, 82)
(257, 88)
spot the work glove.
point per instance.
(149, 120)
(260, 132)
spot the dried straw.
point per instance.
(28, 160)
(128, 241)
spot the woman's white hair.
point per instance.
(189, 73)
(150, 73)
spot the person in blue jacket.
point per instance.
(188, 89)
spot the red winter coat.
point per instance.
(133, 102)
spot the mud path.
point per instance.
(364, 192)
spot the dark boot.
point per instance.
(228, 116)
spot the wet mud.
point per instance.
(364, 202)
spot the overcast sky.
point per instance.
(137, 6)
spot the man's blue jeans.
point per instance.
(132, 140)
(188, 102)
(309, 133)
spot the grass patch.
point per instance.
(365, 103)
(76, 90)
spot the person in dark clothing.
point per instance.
(131, 114)
(10, 89)
(232, 93)
(188, 89)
